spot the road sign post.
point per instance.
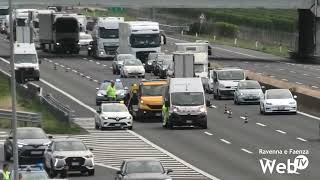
(202, 19)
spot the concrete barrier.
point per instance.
(2, 159)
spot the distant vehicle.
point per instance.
(106, 37)
(225, 81)
(184, 103)
(84, 40)
(159, 61)
(32, 143)
(30, 172)
(68, 155)
(118, 62)
(140, 38)
(210, 48)
(26, 62)
(278, 100)
(248, 91)
(59, 32)
(101, 91)
(164, 67)
(142, 169)
(183, 65)
(113, 115)
(90, 25)
(149, 65)
(147, 102)
(132, 68)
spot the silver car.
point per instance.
(142, 169)
(67, 155)
(248, 91)
(118, 62)
(101, 91)
(132, 68)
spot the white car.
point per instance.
(132, 68)
(278, 100)
(113, 115)
(84, 39)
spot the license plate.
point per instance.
(117, 125)
(36, 152)
(251, 97)
(189, 121)
(75, 163)
(281, 108)
(158, 114)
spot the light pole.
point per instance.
(13, 97)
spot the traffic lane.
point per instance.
(4, 46)
(298, 75)
(101, 173)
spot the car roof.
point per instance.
(141, 159)
(278, 90)
(66, 139)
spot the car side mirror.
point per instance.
(169, 171)
(97, 89)
(295, 97)
(50, 137)
(119, 172)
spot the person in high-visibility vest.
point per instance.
(165, 114)
(5, 172)
(111, 91)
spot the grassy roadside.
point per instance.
(50, 124)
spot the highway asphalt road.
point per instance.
(228, 149)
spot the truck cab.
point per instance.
(225, 81)
(184, 103)
(26, 63)
(147, 102)
(106, 36)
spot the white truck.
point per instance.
(59, 32)
(140, 38)
(26, 63)
(106, 37)
(182, 66)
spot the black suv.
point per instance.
(32, 142)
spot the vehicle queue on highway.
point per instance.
(176, 93)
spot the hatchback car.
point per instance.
(118, 62)
(278, 100)
(113, 115)
(248, 91)
(68, 155)
(32, 143)
(101, 91)
(142, 169)
(84, 40)
(132, 68)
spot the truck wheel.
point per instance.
(91, 172)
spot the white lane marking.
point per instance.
(284, 79)
(298, 83)
(272, 76)
(81, 74)
(309, 115)
(301, 139)
(259, 73)
(88, 77)
(91, 60)
(106, 166)
(281, 69)
(208, 133)
(242, 117)
(292, 71)
(316, 87)
(84, 58)
(110, 67)
(282, 132)
(247, 151)
(50, 61)
(75, 71)
(97, 63)
(104, 65)
(62, 66)
(260, 124)
(213, 106)
(306, 74)
(165, 50)
(95, 80)
(225, 141)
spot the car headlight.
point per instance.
(149, 63)
(129, 117)
(175, 110)
(47, 144)
(89, 156)
(141, 102)
(241, 94)
(104, 117)
(57, 44)
(101, 52)
(292, 102)
(99, 94)
(221, 86)
(268, 103)
(20, 145)
(59, 157)
(203, 110)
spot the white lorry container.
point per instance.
(183, 64)
(106, 37)
(26, 63)
(140, 38)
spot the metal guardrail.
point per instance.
(63, 112)
(26, 118)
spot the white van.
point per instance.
(225, 81)
(26, 63)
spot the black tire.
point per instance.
(91, 172)
(52, 172)
(7, 156)
(130, 127)
(204, 125)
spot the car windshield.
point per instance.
(249, 85)
(154, 90)
(231, 75)
(114, 108)
(85, 37)
(25, 58)
(108, 33)
(123, 57)
(31, 134)
(69, 146)
(145, 40)
(132, 62)
(118, 85)
(187, 99)
(198, 68)
(144, 167)
(34, 175)
(279, 94)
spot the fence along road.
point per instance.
(111, 147)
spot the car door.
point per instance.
(48, 155)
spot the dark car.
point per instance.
(164, 67)
(142, 169)
(149, 66)
(32, 143)
(101, 91)
(160, 58)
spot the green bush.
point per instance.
(219, 28)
